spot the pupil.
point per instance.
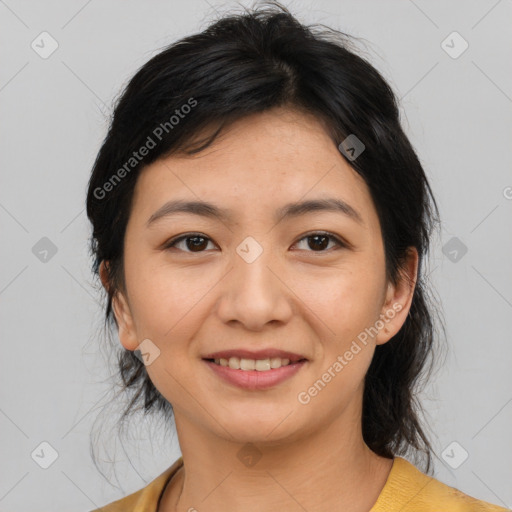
(196, 246)
(316, 237)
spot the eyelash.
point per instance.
(173, 242)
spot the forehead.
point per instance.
(257, 165)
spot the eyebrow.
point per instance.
(290, 210)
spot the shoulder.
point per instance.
(145, 499)
(409, 490)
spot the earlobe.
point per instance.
(103, 271)
(399, 298)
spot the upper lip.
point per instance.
(255, 354)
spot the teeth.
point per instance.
(247, 364)
(260, 365)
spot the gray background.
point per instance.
(458, 114)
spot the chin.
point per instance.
(249, 426)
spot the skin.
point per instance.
(294, 297)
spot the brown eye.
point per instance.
(318, 242)
(194, 242)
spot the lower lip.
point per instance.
(253, 379)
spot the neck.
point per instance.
(329, 470)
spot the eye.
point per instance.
(319, 241)
(196, 242)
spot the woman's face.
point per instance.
(256, 279)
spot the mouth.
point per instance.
(255, 370)
(260, 360)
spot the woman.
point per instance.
(260, 221)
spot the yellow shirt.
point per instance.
(407, 489)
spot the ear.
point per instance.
(103, 269)
(399, 298)
(122, 312)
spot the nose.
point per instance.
(254, 293)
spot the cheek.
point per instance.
(347, 301)
(164, 300)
